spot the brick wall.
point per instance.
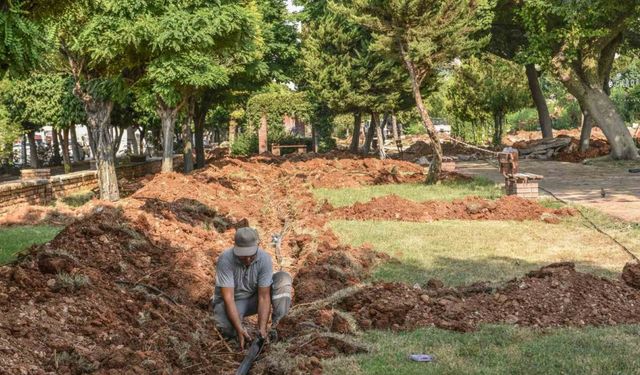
(44, 191)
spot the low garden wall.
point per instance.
(45, 190)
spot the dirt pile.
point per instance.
(631, 275)
(555, 295)
(129, 287)
(103, 296)
(421, 147)
(392, 207)
(598, 145)
(331, 269)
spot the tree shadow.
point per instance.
(188, 211)
(459, 272)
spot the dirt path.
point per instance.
(577, 183)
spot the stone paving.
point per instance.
(577, 183)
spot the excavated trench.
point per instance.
(125, 288)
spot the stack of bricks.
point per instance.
(522, 187)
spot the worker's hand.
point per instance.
(263, 333)
(243, 336)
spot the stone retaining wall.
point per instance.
(44, 191)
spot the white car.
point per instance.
(443, 128)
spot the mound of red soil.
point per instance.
(392, 207)
(334, 268)
(571, 153)
(102, 296)
(555, 295)
(631, 275)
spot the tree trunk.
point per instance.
(602, 110)
(436, 162)
(233, 127)
(263, 135)
(394, 129)
(23, 149)
(187, 150)
(378, 127)
(66, 159)
(168, 120)
(200, 114)
(587, 81)
(99, 125)
(368, 139)
(314, 139)
(75, 147)
(33, 150)
(56, 158)
(498, 121)
(143, 135)
(585, 133)
(119, 132)
(132, 143)
(198, 124)
(355, 141)
(539, 100)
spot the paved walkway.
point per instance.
(577, 183)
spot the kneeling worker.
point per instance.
(246, 285)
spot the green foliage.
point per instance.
(524, 119)
(342, 125)
(625, 92)
(22, 38)
(277, 103)
(9, 132)
(247, 143)
(41, 99)
(282, 49)
(425, 33)
(487, 87)
(193, 45)
(341, 69)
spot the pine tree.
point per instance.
(422, 36)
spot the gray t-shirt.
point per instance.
(231, 273)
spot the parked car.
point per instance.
(441, 125)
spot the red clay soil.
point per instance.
(102, 296)
(392, 207)
(421, 147)
(631, 275)
(555, 295)
(126, 288)
(161, 243)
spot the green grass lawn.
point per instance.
(499, 350)
(15, 239)
(417, 192)
(462, 252)
(78, 199)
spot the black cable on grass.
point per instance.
(594, 225)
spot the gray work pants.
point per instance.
(280, 303)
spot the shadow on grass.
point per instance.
(500, 350)
(455, 272)
(79, 199)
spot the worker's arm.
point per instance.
(232, 314)
(265, 279)
(264, 308)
